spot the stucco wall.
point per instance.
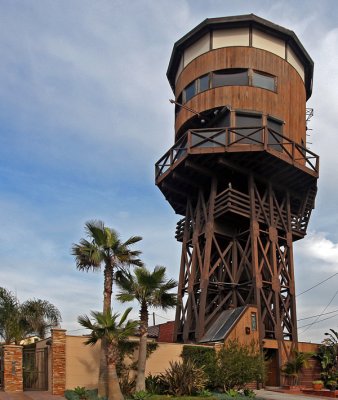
(82, 363)
(159, 359)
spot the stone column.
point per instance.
(13, 380)
(58, 353)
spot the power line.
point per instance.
(309, 326)
(318, 315)
(316, 322)
(307, 290)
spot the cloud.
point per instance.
(85, 114)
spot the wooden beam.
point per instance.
(199, 169)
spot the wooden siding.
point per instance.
(287, 104)
(238, 331)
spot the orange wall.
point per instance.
(82, 363)
(159, 360)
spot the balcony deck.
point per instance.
(215, 141)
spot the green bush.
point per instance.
(141, 395)
(183, 378)
(154, 384)
(71, 395)
(237, 365)
(79, 393)
(202, 356)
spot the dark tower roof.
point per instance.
(238, 21)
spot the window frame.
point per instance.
(255, 71)
(249, 72)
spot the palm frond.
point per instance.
(124, 316)
(132, 240)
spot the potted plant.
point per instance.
(331, 384)
(318, 385)
(294, 366)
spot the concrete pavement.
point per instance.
(264, 394)
(29, 395)
(269, 395)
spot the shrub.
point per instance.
(154, 384)
(238, 364)
(183, 378)
(81, 393)
(202, 356)
(141, 395)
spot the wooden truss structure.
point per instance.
(227, 265)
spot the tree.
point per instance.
(238, 364)
(328, 355)
(11, 329)
(104, 248)
(149, 289)
(105, 327)
(41, 316)
(34, 316)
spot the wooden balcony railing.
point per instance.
(236, 202)
(218, 140)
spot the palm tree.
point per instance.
(19, 320)
(40, 316)
(11, 329)
(105, 327)
(104, 248)
(150, 289)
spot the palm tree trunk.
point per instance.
(142, 356)
(114, 390)
(107, 293)
(103, 375)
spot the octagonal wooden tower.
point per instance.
(240, 173)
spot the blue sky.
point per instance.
(84, 116)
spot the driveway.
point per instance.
(264, 394)
(29, 395)
(269, 395)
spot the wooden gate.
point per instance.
(35, 368)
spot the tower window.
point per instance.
(253, 321)
(263, 81)
(228, 77)
(249, 128)
(189, 91)
(203, 83)
(275, 130)
(177, 106)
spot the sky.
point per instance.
(85, 115)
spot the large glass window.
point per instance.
(275, 130)
(263, 81)
(189, 91)
(248, 128)
(177, 106)
(203, 83)
(229, 77)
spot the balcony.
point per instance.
(232, 140)
(231, 201)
